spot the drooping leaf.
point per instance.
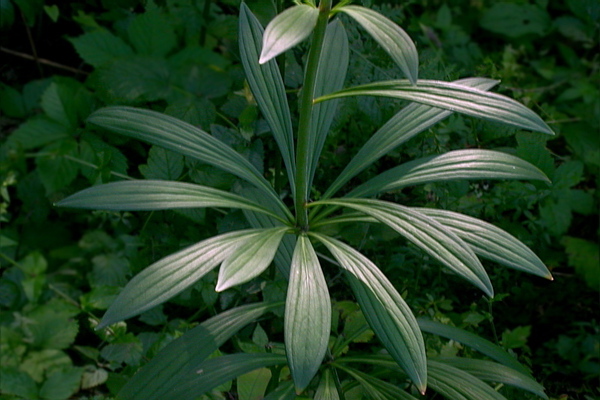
(387, 313)
(331, 74)
(250, 259)
(146, 195)
(407, 123)
(431, 236)
(181, 357)
(390, 36)
(267, 87)
(178, 136)
(490, 242)
(494, 372)
(307, 314)
(458, 164)
(173, 274)
(287, 30)
(454, 97)
(459, 385)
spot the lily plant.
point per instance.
(291, 236)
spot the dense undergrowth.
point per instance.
(61, 269)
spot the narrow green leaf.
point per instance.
(250, 259)
(307, 314)
(146, 195)
(454, 97)
(377, 388)
(410, 121)
(458, 385)
(180, 358)
(458, 164)
(267, 87)
(173, 274)
(178, 136)
(491, 242)
(285, 391)
(287, 30)
(327, 389)
(494, 372)
(331, 74)
(431, 236)
(216, 371)
(390, 36)
(387, 313)
(478, 343)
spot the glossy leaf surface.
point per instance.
(459, 385)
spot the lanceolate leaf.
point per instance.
(459, 164)
(385, 310)
(454, 97)
(459, 385)
(490, 242)
(431, 236)
(389, 36)
(173, 274)
(145, 195)
(287, 30)
(307, 314)
(216, 371)
(327, 389)
(267, 87)
(331, 74)
(376, 388)
(494, 372)
(410, 121)
(250, 259)
(180, 358)
(285, 391)
(478, 343)
(176, 135)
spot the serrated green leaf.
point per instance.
(100, 47)
(151, 34)
(584, 256)
(60, 385)
(387, 313)
(12, 103)
(493, 372)
(252, 385)
(307, 315)
(287, 30)
(173, 274)
(67, 102)
(490, 242)
(162, 164)
(55, 169)
(454, 97)
(18, 383)
(36, 132)
(458, 164)
(431, 236)
(125, 349)
(183, 138)
(458, 385)
(407, 123)
(478, 343)
(250, 259)
(193, 110)
(390, 36)
(180, 358)
(267, 87)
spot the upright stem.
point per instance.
(306, 107)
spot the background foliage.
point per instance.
(61, 269)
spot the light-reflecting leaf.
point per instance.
(146, 195)
(155, 380)
(454, 97)
(173, 274)
(287, 30)
(267, 87)
(459, 385)
(458, 164)
(490, 242)
(431, 236)
(494, 372)
(250, 259)
(181, 137)
(331, 74)
(376, 388)
(387, 313)
(389, 36)
(407, 123)
(476, 342)
(327, 389)
(307, 314)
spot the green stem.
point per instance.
(306, 107)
